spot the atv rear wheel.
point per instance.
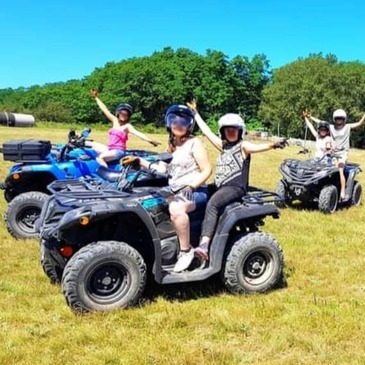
(328, 199)
(281, 190)
(254, 264)
(22, 212)
(103, 276)
(356, 194)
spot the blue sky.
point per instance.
(48, 40)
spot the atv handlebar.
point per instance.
(75, 141)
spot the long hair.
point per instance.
(171, 145)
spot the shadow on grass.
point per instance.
(184, 291)
(194, 290)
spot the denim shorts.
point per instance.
(119, 153)
(200, 196)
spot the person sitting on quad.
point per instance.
(322, 136)
(188, 170)
(340, 133)
(118, 134)
(232, 169)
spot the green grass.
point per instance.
(316, 319)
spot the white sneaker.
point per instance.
(184, 260)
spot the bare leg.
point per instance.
(98, 147)
(341, 167)
(107, 156)
(179, 208)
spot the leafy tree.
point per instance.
(151, 84)
(321, 84)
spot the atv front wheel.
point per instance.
(49, 266)
(282, 191)
(22, 213)
(103, 276)
(356, 194)
(328, 199)
(254, 264)
(9, 195)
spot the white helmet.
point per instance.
(339, 113)
(232, 120)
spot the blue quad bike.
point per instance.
(317, 183)
(101, 245)
(38, 163)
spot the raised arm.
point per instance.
(248, 147)
(214, 139)
(141, 135)
(307, 114)
(358, 124)
(309, 124)
(103, 107)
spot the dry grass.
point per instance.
(316, 319)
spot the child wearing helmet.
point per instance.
(118, 134)
(232, 169)
(322, 136)
(340, 133)
(188, 170)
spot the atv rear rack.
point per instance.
(259, 196)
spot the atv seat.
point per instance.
(108, 174)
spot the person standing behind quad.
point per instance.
(340, 133)
(232, 169)
(118, 134)
(322, 136)
(188, 170)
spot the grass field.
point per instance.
(318, 318)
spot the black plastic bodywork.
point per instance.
(305, 179)
(140, 218)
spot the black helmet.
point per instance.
(124, 106)
(180, 114)
(323, 124)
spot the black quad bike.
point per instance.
(317, 182)
(101, 244)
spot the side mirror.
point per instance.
(71, 134)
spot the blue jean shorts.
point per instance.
(119, 154)
(200, 196)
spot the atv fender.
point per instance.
(228, 221)
(28, 180)
(100, 214)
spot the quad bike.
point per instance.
(38, 163)
(102, 244)
(317, 182)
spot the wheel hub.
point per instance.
(28, 217)
(256, 266)
(108, 281)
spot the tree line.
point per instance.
(267, 98)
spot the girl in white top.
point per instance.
(322, 136)
(340, 132)
(188, 171)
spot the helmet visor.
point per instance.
(173, 119)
